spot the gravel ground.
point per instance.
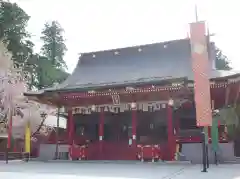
(68, 170)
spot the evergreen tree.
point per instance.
(54, 47)
(13, 22)
(46, 73)
(47, 68)
(51, 65)
(222, 62)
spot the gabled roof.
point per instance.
(138, 64)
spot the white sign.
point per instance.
(143, 106)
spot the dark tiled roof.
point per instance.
(134, 64)
(139, 64)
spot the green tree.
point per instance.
(54, 47)
(13, 22)
(222, 62)
(46, 73)
(51, 65)
(228, 115)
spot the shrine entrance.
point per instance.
(114, 144)
(116, 127)
(110, 138)
(117, 137)
(152, 128)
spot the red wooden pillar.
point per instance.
(209, 134)
(9, 141)
(177, 126)
(171, 138)
(134, 126)
(70, 127)
(101, 130)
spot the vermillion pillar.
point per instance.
(101, 130)
(134, 126)
(27, 140)
(9, 134)
(9, 130)
(70, 127)
(171, 139)
(176, 127)
(57, 135)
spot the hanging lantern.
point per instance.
(93, 108)
(225, 129)
(82, 131)
(92, 92)
(151, 126)
(170, 102)
(133, 105)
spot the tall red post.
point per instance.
(101, 130)
(170, 131)
(70, 127)
(209, 134)
(177, 125)
(134, 126)
(9, 131)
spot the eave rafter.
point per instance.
(173, 89)
(120, 92)
(123, 91)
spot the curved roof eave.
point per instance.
(215, 75)
(221, 74)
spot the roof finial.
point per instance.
(196, 12)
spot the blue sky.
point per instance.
(105, 24)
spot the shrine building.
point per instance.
(135, 103)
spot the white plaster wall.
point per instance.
(47, 151)
(193, 152)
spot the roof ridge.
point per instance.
(133, 46)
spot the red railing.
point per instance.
(77, 152)
(149, 152)
(90, 152)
